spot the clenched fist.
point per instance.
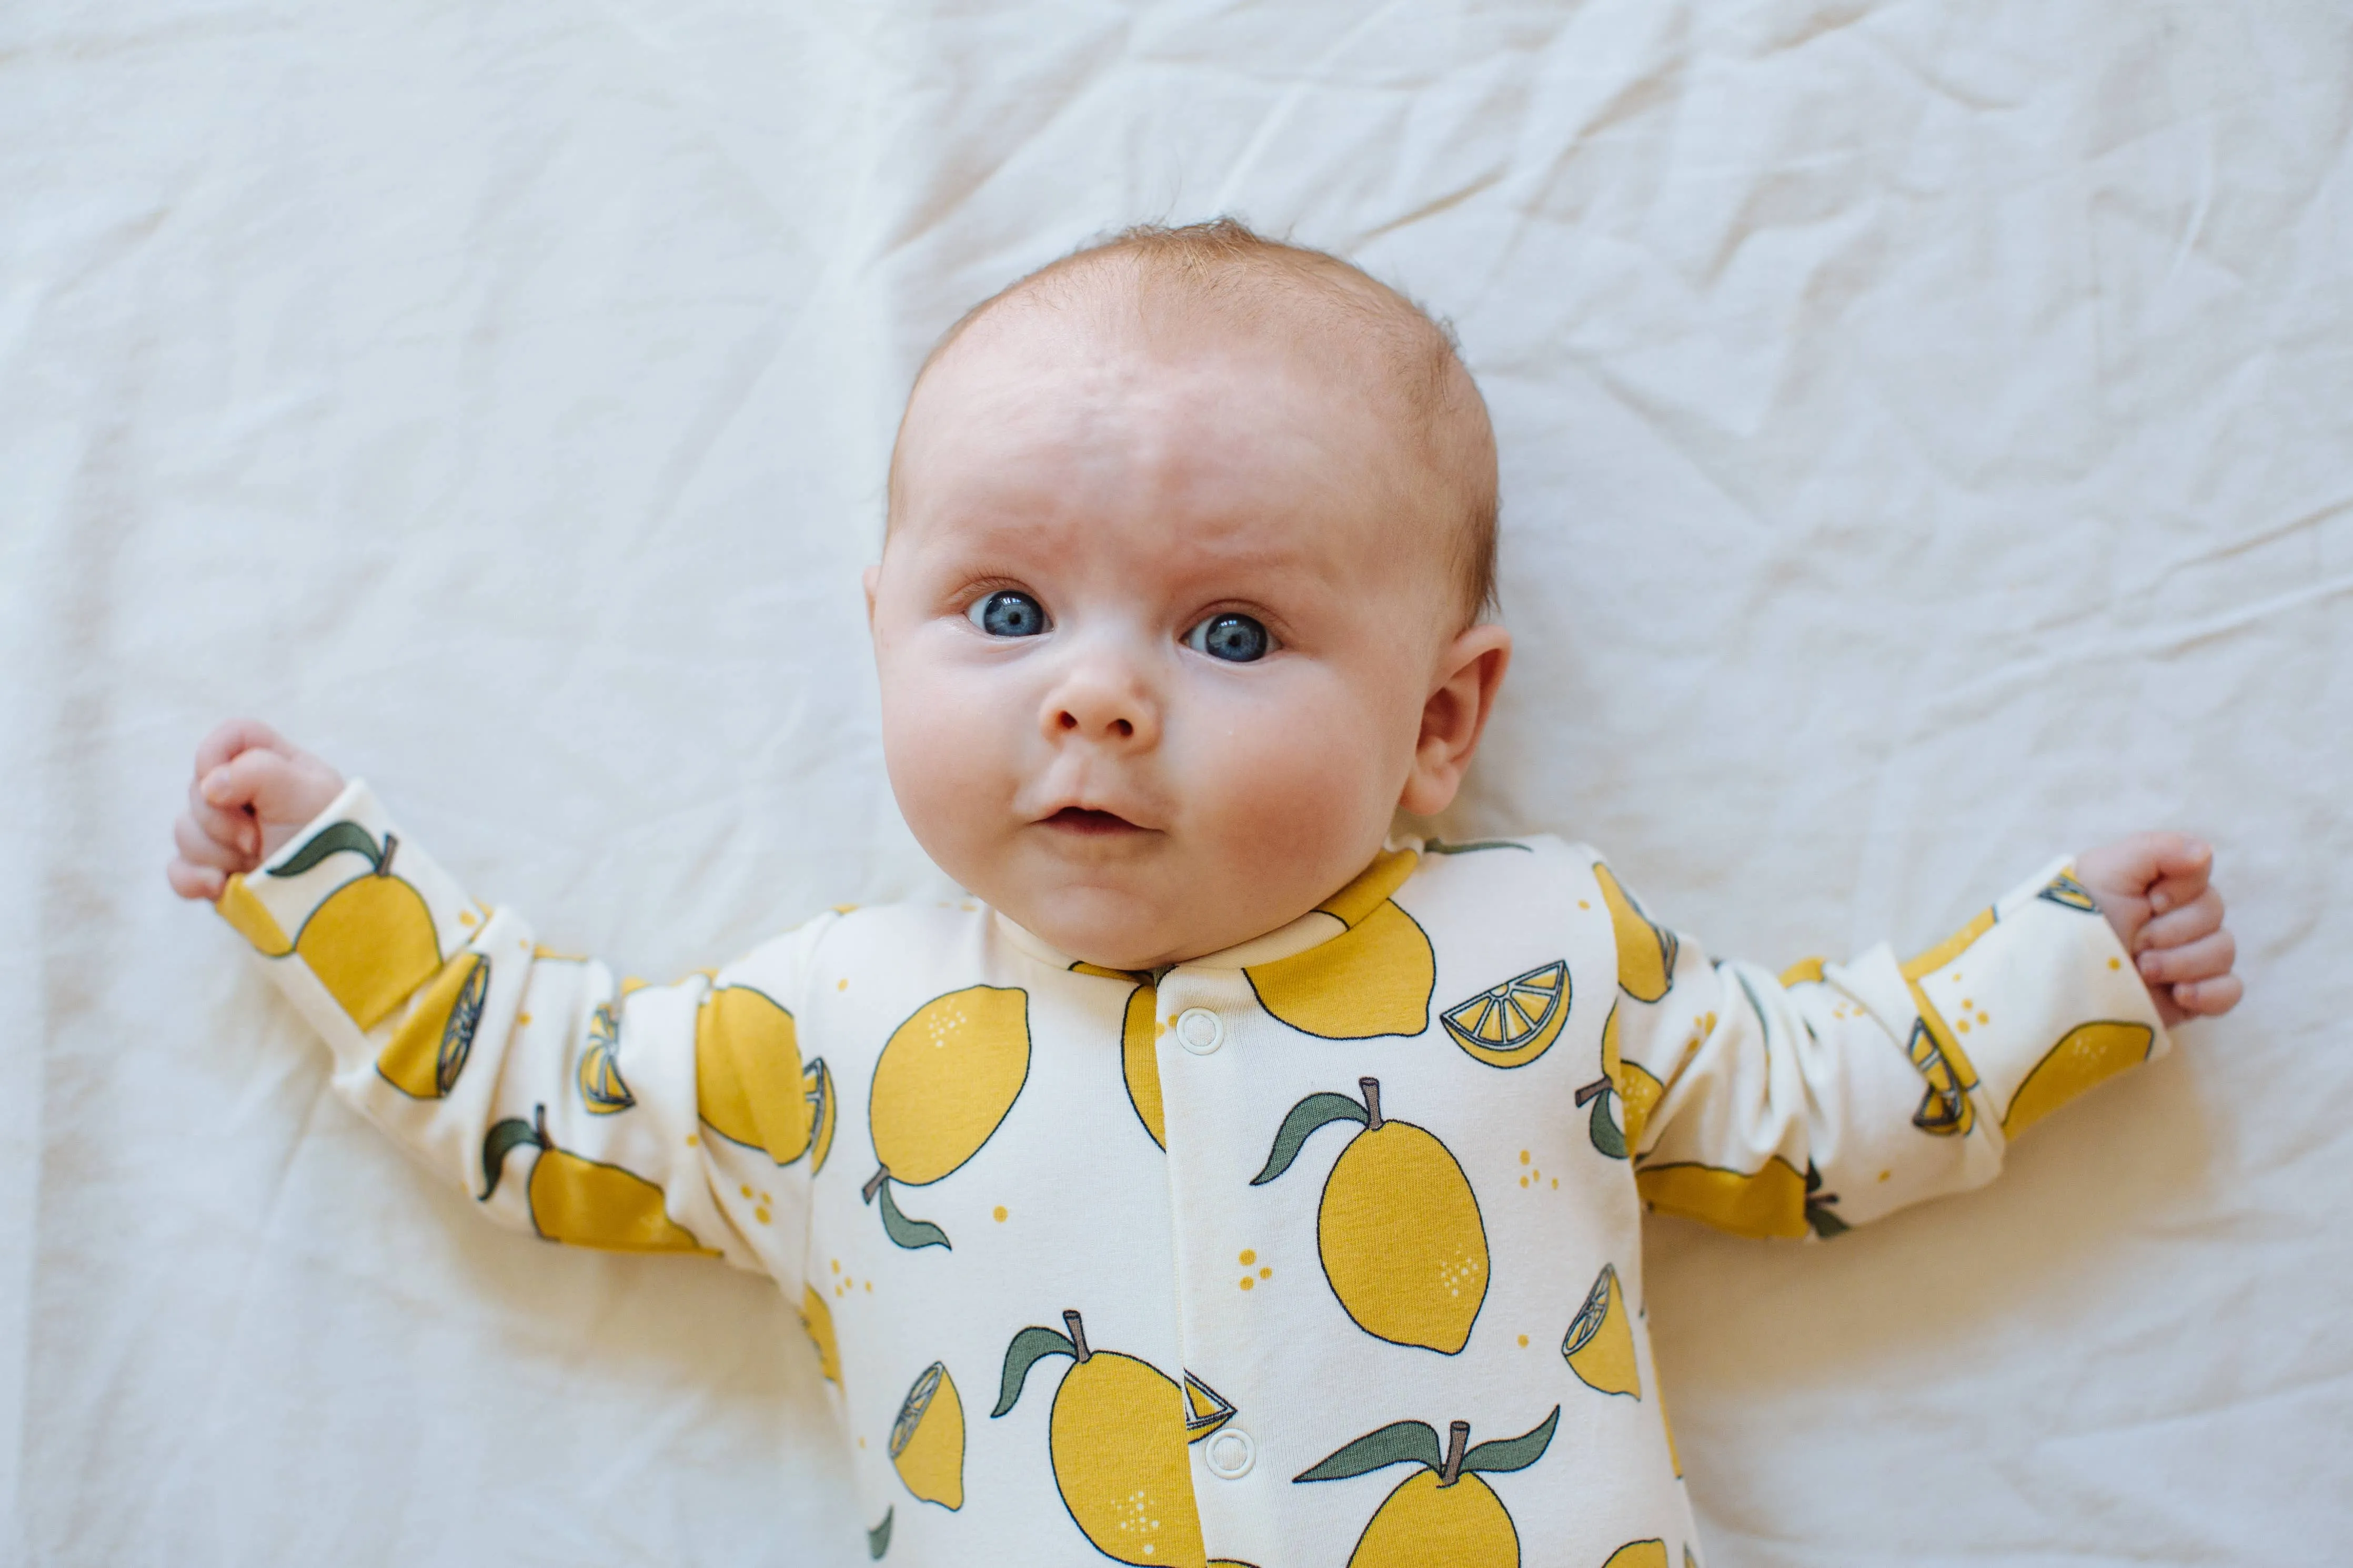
(2157, 891)
(253, 788)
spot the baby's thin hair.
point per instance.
(1257, 282)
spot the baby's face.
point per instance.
(1158, 629)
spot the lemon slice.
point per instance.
(1513, 1024)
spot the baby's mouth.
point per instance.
(1094, 823)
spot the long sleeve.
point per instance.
(625, 1116)
(1831, 1094)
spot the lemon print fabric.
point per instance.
(927, 1439)
(1628, 1085)
(1646, 950)
(1650, 1554)
(1513, 1024)
(2068, 893)
(816, 1321)
(1599, 1344)
(750, 1086)
(1373, 977)
(429, 1048)
(1139, 1061)
(1115, 1438)
(583, 1202)
(603, 1090)
(2085, 1055)
(1397, 1229)
(1775, 1200)
(946, 1079)
(371, 943)
(1443, 1512)
(1947, 1110)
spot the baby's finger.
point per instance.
(2205, 959)
(2201, 916)
(194, 881)
(230, 827)
(2208, 998)
(199, 848)
(2182, 865)
(260, 779)
(230, 738)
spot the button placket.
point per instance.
(1231, 1454)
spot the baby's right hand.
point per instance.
(253, 788)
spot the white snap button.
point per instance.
(1199, 1031)
(1231, 1454)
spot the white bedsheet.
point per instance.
(1927, 437)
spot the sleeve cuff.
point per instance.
(2035, 1002)
(369, 914)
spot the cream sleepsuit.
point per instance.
(1324, 1249)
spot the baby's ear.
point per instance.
(1470, 673)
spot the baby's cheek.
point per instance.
(943, 745)
(1308, 792)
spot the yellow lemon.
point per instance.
(599, 1076)
(429, 1050)
(582, 1202)
(1205, 1409)
(1646, 950)
(1599, 1344)
(947, 1077)
(1444, 1513)
(1771, 1202)
(816, 1093)
(1513, 1024)
(2084, 1057)
(1424, 1522)
(747, 1073)
(2070, 894)
(1116, 1438)
(927, 1439)
(251, 920)
(1638, 1554)
(1631, 1085)
(371, 943)
(1373, 977)
(1397, 1230)
(816, 1321)
(1139, 1062)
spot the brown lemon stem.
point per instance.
(1599, 1085)
(1372, 1088)
(1458, 1439)
(1078, 1336)
(874, 1183)
(383, 861)
(539, 1126)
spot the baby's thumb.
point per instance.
(265, 783)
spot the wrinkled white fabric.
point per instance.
(1925, 435)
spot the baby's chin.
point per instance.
(1127, 929)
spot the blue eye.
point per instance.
(1237, 639)
(1008, 612)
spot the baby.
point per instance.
(1224, 1181)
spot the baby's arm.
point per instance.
(634, 1118)
(1832, 1093)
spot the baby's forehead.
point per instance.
(1342, 337)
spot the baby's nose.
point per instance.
(1104, 706)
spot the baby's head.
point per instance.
(1190, 535)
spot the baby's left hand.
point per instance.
(2155, 890)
